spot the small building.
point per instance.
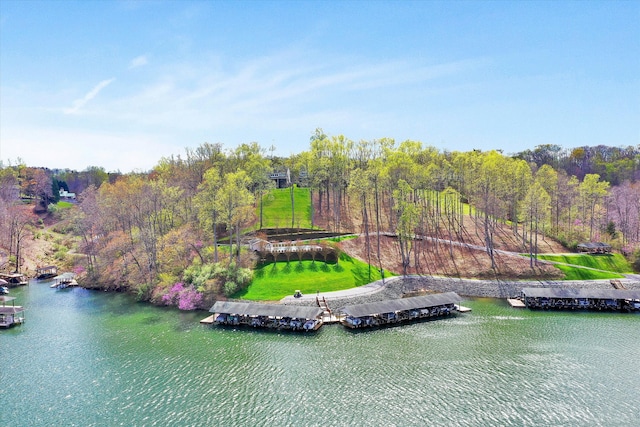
(10, 315)
(400, 310)
(594, 248)
(64, 194)
(270, 316)
(582, 299)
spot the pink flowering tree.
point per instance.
(185, 297)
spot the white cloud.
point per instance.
(139, 61)
(213, 95)
(81, 102)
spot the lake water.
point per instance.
(88, 358)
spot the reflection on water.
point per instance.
(94, 359)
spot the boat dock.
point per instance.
(583, 299)
(65, 280)
(44, 273)
(400, 310)
(268, 316)
(14, 279)
(516, 303)
(10, 315)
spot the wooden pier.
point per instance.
(516, 303)
(208, 320)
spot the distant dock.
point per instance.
(65, 280)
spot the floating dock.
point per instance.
(268, 316)
(516, 303)
(583, 299)
(400, 310)
(207, 320)
(463, 309)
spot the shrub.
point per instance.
(230, 288)
(636, 260)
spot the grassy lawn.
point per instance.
(64, 205)
(276, 209)
(609, 262)
(274, 281)
(578, 273)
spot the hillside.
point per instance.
(444, 259)
(44, 246)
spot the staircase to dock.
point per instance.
(327, 314)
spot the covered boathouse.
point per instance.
(400, 310)
(585, 299)
(10, 315)
(270, 316)
(44, 273)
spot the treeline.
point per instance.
(186, 219)
(614, 164)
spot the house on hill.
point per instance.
(281, 178)
(64, 194)
(594, 248)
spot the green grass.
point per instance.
(64, 205)
(610, 266)
(579, 273)
(274, 281)
(615, 263)
(342, 238)
(276, 209)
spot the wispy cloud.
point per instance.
(283, 92)
(138, 61)
(81, 102)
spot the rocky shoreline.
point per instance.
(401, 286)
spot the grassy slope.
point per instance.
(611, 265)
(612, 262)
(274, 281)
(276, 209)
(579, 273)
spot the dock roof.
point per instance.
(580, 293)
(11, 309)
(402, 304)
(273, 310)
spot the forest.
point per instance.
(178, 234)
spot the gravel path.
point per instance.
(398, 286)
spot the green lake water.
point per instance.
(88, 358)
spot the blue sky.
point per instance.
(120, 84)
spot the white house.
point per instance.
(64, 194)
